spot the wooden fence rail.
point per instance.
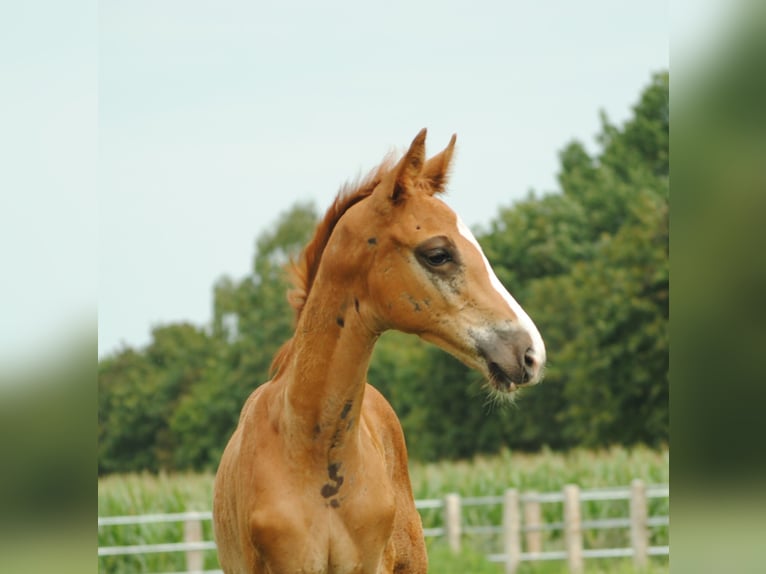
(522, 527)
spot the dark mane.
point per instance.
(303, 271)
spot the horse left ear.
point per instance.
(436, 169)
(409, 167)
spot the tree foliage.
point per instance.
(590, 264)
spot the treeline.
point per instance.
(589, 263)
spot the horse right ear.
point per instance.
(409, 167)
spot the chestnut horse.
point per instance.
(314, 478)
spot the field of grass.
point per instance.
(482, 476)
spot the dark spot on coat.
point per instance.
(317, 430)
(335, 438)
(350, 424)
(341, 323)
(328, 489)
(356, 304)
(346, 408)
(332, 472)
(334, 503)
(372, 240)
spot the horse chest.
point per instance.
(341, 527)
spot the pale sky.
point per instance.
(209, 119)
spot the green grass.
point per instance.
(482, 476)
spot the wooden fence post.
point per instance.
(573, 528)
(452, 520)
(195, 560)
(533, 520)
(639, 528)
(511, 530)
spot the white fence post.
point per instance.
(452, 520)
(512, 530)
(195, 559)
(639, 529)
(573, 528)
(533, 519)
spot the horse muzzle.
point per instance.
(510, 357)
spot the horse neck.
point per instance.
(327, 374)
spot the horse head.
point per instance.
(425, 273)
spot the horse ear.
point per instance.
(409, 167)
(436, 169)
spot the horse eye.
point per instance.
(438, 257)
(438, 253)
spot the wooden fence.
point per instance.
(521, 530)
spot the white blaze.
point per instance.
(538, 347)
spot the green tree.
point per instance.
(204, 418)
(138, 393)
(606, 329)
(125, 428)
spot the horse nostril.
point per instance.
(530, 365)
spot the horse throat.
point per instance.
(325, 379)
